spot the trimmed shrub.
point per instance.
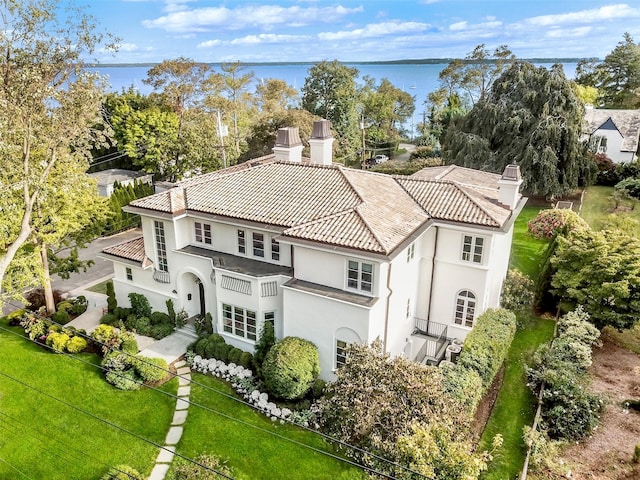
(76, 344)
(487, 345)
(129, 344)
(463, 384)
(35, 327)
(246, 360)
(171, 311)
(112, 303)
(122, 472)
(107, 338)
(80, 305)
(15, 317)
(548, 223)
(221, 351)
(140, 325)
(317, 390)
(124, 380)
(61, 317)
(234, 355)
(265, 342)
(150, 369)
(161, 331)
(64, 305)
(160, 318)
(291, 367)
(140, 305)
(58, 341)
(192, 471)
(109, 319)
(629, 187)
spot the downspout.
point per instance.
(386, 319)
(433, 272)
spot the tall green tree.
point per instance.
(617, 77)
(601, 271)
(533, 118)
(274, 95)
(330, 92)
(50, 112)
(386, 108)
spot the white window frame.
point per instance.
(161, 246)
(464, 309)
(257, 244)
(239, 322)
(129, 273)
(202, 233)
(275, 250)
(341, 354)
(473, 247)
(241, 236)
(411, 252)
(360, 275)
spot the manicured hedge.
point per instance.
(291, 367)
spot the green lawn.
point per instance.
(44, 438)
(599, 204)
(526, 250)
(100, 287)
(515, 405)
(254, 453)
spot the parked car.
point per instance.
(380, 159)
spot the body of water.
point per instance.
(417, 79)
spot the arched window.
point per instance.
(343, 337)
(465, 308)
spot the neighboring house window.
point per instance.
(129, 274)
(275, 249)
(341, 353)
(161, 246)
(239, 322)
(465, 308)
(242, 244)
(360, 275)
(602, 148)
(258, 245)
(203, 233)
(411, 252)
(472, 248)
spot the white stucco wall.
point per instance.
(614, 144)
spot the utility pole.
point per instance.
(222, 132)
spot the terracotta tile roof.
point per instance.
(130, 250)
(336, 205)
(626, 121)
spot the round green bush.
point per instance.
(58, 341)
(150, 369)
(122, 472)
(291, 367)
(246, 360)
(109, 319)
(234, 355)
(76, 345)
(160, 318)
(126, 380)
(129, 344)
(61, 316)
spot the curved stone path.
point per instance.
(165, 457)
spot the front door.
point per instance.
(203, 309)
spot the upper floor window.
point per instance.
(465, 308)
(129, 273)
(242, 243)
(203, 232)
(360, 276)
(161, 246)
(602, 147)
(411, 251)
(275, 249)
(472, 248)
(258, 244)
(239, 322)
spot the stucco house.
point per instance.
(617, 132)
(327, 253)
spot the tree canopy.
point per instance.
(50, 115)
(533, 118)
(617, 77)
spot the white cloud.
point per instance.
(595, 15)
(262, 39)
(263, 16)
(374, 30)
(569, 33)
(458, 26)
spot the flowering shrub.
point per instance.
(517, 291)
(549, 222)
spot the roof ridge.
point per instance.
(473, 200)
(445, 172)
(372, 230)
(397, 179)
(322, 219)
(353, 187)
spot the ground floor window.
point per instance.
(465, 308)
(239, 321)
(341, 353)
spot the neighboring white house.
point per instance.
(108, 178)
(327, 253)
(617, 132)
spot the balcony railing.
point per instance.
(427, 327)
(161, 277)
(434, 336)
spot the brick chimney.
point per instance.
(509, 186)
(288, 145)
(321, 142)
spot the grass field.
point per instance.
(42, 435)
(99, 287)
(599, 205)
(526, 251)
(254, 446)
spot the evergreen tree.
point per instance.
(533, 118)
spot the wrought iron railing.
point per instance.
(433, 347)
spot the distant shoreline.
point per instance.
(424, 61)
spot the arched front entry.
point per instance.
(191, 294)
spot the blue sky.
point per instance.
(366, 30)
